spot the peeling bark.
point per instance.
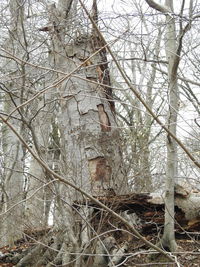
(100, 173)
(103, 119)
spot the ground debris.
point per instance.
(149, 209)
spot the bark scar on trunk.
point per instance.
(103, 119)
(100, 172)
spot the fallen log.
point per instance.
(150, 209)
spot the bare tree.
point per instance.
(12, 183)
(136, 120)
(173, 44)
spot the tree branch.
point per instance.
(161, 8)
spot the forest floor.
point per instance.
(150, 225)
(188, 254)
(138, 254)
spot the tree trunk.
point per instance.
(88, 127)
(90, 141)
(39, 195)
(90, 138)
(173, 51)
(13, 177)
(168, 239)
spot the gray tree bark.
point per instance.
(13, 178)
(39, 196)
(89, 135)
(168, 239)
(173, 51)
(90, 140)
